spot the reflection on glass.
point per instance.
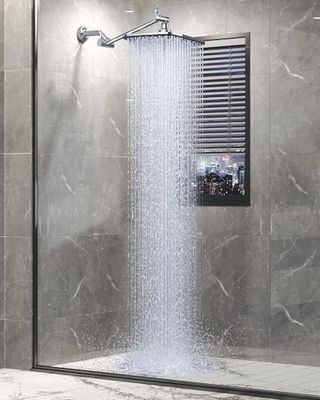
(220, 175)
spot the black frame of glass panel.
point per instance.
(240, 200)
(92, 374)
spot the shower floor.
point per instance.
(232, 372)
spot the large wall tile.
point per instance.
(82, 275)
(18, 349)
(80, 337)
(295, 180)
(18, 28)
(252, 16)
(295, 118)
(18, 104)
(18, 279)
(295, 265)
(294, 36)
(18, 195)
(294, 195)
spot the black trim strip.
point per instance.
(35, 182)
(234, 390)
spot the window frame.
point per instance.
(241, 200)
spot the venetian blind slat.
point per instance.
(221, 115)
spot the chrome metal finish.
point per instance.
(166, 33)
(131, 31)
(125, 35)
(83, 34)
(159, 17)
(104, 41)
(164, 27)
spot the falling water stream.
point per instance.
(163, 95)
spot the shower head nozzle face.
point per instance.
(163, 33)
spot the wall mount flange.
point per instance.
(81, 34)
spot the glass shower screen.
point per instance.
(137, 277)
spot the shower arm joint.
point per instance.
(83, 34)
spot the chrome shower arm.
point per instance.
(104, 41)
(158, 18)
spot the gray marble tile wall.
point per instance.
(260, 265)
(285, 147)
(294, 191)
(17, 182)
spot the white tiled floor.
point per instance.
(25, 385)
(288, 378)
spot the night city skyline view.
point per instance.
(221, 175)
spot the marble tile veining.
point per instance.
(18, 385)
